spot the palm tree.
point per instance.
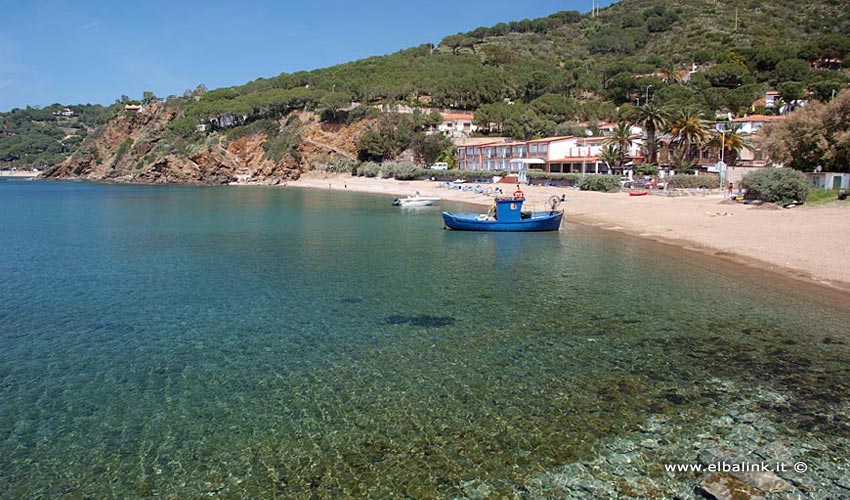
(651, 118)
(778, 104)
(680, 163)
(733, 143)
(611, 155)
(621, 140)
(689, 129)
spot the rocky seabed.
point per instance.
(737, 435)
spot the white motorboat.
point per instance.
(416, 201)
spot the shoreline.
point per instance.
(18, 174)
(803, 244)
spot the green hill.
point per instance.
(567, 53)
(38, 137)
(567, 67)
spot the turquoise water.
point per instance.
(183, 342)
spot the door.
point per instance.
(836, 182)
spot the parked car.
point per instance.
(626, 182)
(440, 165)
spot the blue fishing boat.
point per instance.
(506, 215)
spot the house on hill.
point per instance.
(753, 123)
(606, 128)
(457, 124)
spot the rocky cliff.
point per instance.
(137, 148)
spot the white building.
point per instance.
(753, 123)
(567, 154)
(457, 124)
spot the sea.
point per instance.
(265, 342)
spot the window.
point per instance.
(544, 148)
(532, 149)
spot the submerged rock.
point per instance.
(725, 486)
(763, 480)
(423, 320)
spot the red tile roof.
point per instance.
(551, 139)
(457, 116)
(760, 118)
(575, 159)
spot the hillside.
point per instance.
(136, 147)
(36, 137)
(555, 71)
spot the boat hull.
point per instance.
(542, 221)
(422, 201)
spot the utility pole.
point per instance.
(722, 164)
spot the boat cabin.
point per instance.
(509, 209)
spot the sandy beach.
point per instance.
(807, 242)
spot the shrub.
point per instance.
(281, 143)
(604, 183)
(122, 150)
(361, 113)
(777, 185)
(368, 169)
(646, 169)
(269, 127)
(326, 163)
(820, 195)
(693, 181)
(404, 171)
(343, 165)
(559, 179)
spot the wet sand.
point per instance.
(808, 242)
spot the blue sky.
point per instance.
(76, 52)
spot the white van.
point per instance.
(440, 165)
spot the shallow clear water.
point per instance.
(176, 342)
